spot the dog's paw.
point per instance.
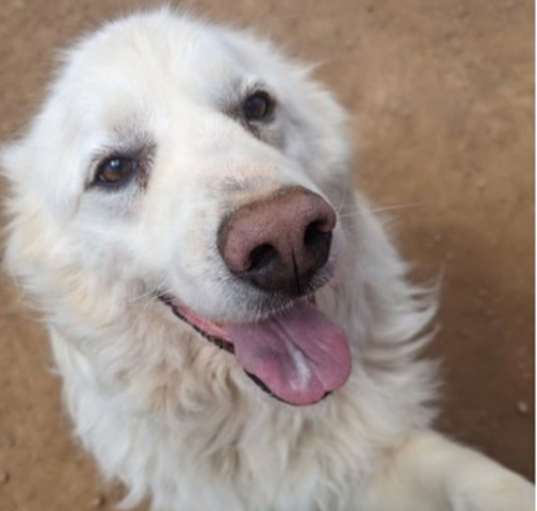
(510, 493)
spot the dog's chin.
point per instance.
(292, 352)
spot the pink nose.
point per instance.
(279, 243)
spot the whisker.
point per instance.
(149, 292)
(398, 207)
(395, 207)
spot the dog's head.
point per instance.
(197, 163)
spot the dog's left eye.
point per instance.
(257, 106)
(115, 171)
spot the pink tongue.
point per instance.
(299, 354)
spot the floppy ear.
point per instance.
(42, 164)
(28, 247)
(15, 203)
(21, 169)
(17, 164)
(12, 161)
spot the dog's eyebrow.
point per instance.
(232, 185)
(125, 139)
(129, 134)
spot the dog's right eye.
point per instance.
(115, 172)
(257, 107)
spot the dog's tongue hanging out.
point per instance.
(299, 354)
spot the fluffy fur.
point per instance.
(157, 405)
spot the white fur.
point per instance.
(158, 406)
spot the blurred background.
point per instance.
(441, 95)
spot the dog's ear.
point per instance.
(13, 169)
(20, 172)
(25, 205)
(12, 161)
(39, 166)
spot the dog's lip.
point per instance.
(214, 331)
(224, 343)
(211, 332)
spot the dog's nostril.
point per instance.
(316, 234)
(261, 256)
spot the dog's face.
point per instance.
(200, 163)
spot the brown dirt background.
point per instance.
(442, 96)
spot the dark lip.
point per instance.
(225, 345)
(217, 341)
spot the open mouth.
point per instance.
(298, 355)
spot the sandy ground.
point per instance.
(442, 95)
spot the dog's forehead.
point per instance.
(156, 69)
(162, 56)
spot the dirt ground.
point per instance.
(442, 97)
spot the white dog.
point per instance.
(233, 327)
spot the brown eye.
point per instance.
(115, 172)
(257, 107)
